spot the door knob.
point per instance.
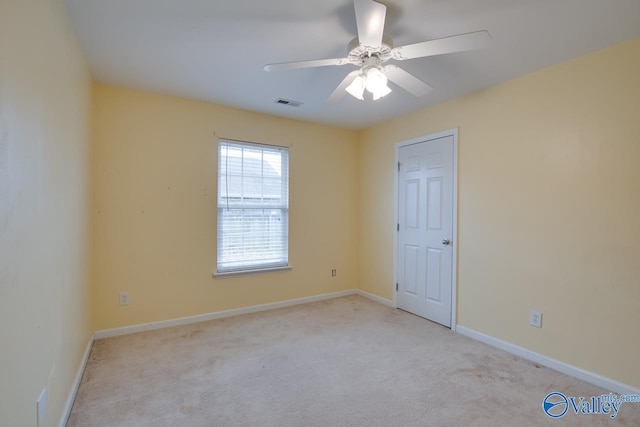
(446, 242)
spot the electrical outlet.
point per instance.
(124, 298)
(535, 319)
(334, 273)
(41, 407)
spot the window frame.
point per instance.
(257, 267)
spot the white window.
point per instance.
(253, 206)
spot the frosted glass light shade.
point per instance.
(356, 88)
(376, 80)
(373, 80)
(384, 91)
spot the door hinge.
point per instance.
(398, 166)
(398, 227)
(396, 287)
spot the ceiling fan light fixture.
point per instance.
(376, 83)
(384, 91)
(376, 80)
(356, 88)
(373, 80)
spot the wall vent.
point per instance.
(288, 102)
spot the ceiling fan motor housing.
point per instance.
(359, 54)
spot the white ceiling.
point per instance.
(214, 50)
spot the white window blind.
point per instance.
(253, 206)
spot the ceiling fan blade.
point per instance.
(460, 43)
(406, 81)
(306, 64)
(370, 17)
(341, 89)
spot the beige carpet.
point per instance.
(340, 362)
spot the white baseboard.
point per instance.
(76, 384)
(125, 330)
(375, 298)
(106, 333)
(565, 368)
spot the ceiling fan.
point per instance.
(371, 49)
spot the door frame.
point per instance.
(454, 238)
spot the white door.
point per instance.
(425, 229)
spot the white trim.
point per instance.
(396, 202)
(257, 144)
(106, 333)
(76, 384)
(376, 298)
(454, 238)
(224, 274)
(565, 368)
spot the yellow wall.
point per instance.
(549, 209)
(44, 208)
(155, 178)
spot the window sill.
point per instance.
(218, 275)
